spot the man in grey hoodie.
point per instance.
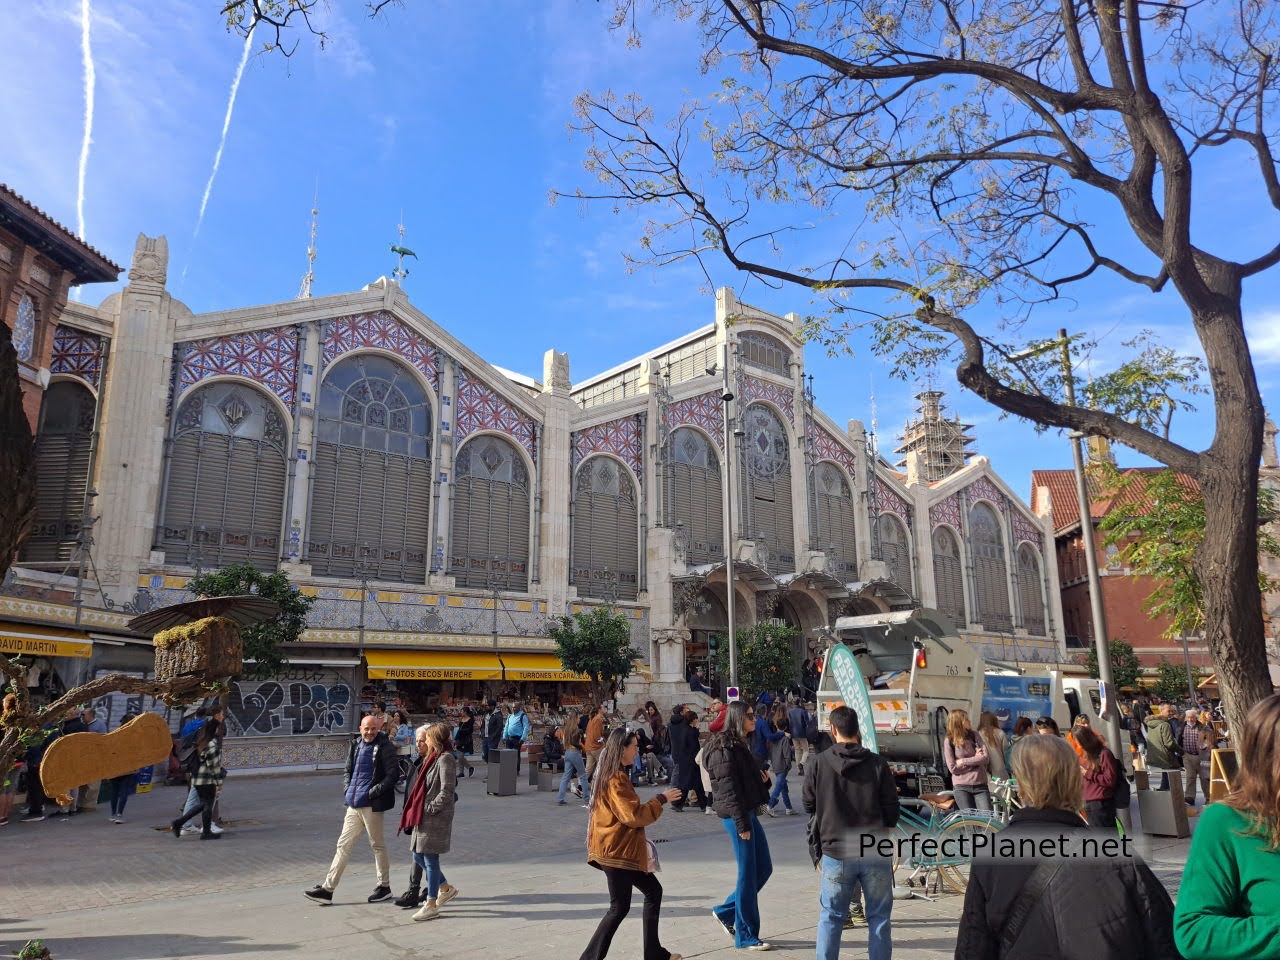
(851, 796)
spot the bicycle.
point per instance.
(951, 833)
(1004, 795)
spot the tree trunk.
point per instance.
(17, 457)
(1227, 561)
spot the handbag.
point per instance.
(1020, 912)
(651, 851)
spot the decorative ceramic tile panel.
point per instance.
(480, 408)
(782, 397)
(984, 489)
(946, 511)
(1024, 529)
(624, 438)
(706, 410)
(824, 446)
(77, 353)
(269, 357)
(24, 328)
(381, 331)
(887, 499)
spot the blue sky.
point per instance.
(456, 114)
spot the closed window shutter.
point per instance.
(490, 517)
(990, 574)
(834, 530)
(1030, 597)
(605, 550)
(63, 445)
(178, 523)
(893, 550)
(948, 575)
(696, 504)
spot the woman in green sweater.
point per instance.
(1229, 903)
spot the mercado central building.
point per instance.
(442, 510)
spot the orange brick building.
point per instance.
(40, 261)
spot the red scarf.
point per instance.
(412, 813)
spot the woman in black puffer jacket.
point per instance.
(1098, 908)
(737, 789)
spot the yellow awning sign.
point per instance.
(539, 666)
(432, 665)
(32, 640)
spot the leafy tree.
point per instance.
(1171, 682)
(985, 163)
(264, 644)
(1125, 665)
(597, 643)
(766, 658)
(1157, 523)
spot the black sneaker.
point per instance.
(726, 927)
(379, 894)
(320, 894)
(408, 899)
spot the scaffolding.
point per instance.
(933, 446)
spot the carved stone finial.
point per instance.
(150, 261)
(555, 372)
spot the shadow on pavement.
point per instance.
(147, 946)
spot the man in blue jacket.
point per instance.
(370, 790)
(516, 732)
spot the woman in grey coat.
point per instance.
(428, 814)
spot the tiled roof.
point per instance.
(51, 238)
(1055, 491)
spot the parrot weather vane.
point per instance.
(401, 251)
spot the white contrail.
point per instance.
(86, 54)
(226, 125)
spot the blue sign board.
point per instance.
(1012, 697)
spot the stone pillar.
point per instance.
(134, 420)
(922, 529)
(444, 479)
(558, 415)
(668, 653)
(307, 393)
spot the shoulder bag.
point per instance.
(1020, 912)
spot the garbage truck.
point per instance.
(917, 669)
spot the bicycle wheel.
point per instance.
(953, 870)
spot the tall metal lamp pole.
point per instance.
(729, 538)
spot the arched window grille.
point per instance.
(766, 352)
(990, 574)
(64, 443)
(948, 575)
(894, 550)
(1030, 595)
(371, 488)
(490, 525)
(606, 548)
(694, 496)
(834, 532)
(224, 493)
(767, 518)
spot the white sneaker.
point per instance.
(762, 945)
(428, 911)
(189, 829)
(708, 811)
(770, 811)
(214, 828)
(445, 894)
(792, 812)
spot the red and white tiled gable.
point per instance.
(480, 408)
(381, 331)
(704, 411)
(269, 357)
(78, 353)
(624, 438)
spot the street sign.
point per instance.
(853, 687)
(732, 694)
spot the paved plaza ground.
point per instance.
(99, 891)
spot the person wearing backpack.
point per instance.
(1070, 906)
(189, 761)
(798, 723)
(1102, 779)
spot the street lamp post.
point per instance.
(729, 538)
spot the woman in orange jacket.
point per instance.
(616, 845)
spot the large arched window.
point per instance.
(767, 514)
(606, 548)
(948, 575)
(894, 550)
(224, 493)
(694, 502)
(990, 574)
(766, 352)
(371, 486)
(490, 525)
(834, 532)
(64, 444)
(1030, 597)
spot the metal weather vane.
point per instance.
(401, 251)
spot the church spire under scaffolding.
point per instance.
(304, 292)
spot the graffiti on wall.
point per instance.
(115, 706)
(299, 703)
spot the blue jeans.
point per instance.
(573, 763)
(780, 789)
(430, 864)
(485, 746)
(742, 910)
(193, 801)
(840, 882)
